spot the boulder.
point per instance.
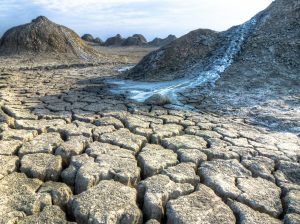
(157, 99)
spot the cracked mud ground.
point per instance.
(71, 152)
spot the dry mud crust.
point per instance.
(67, 144)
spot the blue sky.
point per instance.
(105, 18)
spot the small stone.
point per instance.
(206, 134)
(220, 153)
(42, 166)
(288, 175)
(69, 130)
(227, 132)
(134, 122)
(38, 125)
(242, 142)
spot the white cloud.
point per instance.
(150, 17)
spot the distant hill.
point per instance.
(159, 42)
(137, 40)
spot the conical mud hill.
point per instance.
(43, 36)
(271, 38)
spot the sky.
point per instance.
(152, 18)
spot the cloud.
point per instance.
(150, 17)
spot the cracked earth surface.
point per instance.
(71, 152)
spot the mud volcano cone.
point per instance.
(44, 36)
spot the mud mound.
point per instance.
(135, 40)
(114, 41)
(266, 71)
(171, 60)
(274, 39)
(44, 36)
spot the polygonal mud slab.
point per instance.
(42, 166)
(44, 143)
(182, 173)
(246, 215)
(261, 195)
(221, 176)
(8, 164)
(19, 197)
(155, 191)
(184, 141)
(202, 206)
(124, 138)
(108, 202)
(191, 155)
(154, 158)
(49, 215)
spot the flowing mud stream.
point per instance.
(140, 91)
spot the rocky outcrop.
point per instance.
(159, 42)
(44, 36)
